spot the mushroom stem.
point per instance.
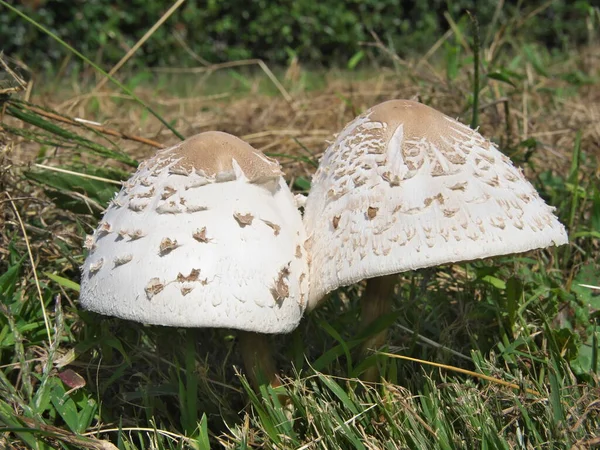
(375, 302)
(258, 358)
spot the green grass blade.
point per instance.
(91, 63)
(64, 282)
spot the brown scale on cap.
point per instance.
(89, 243)
(96, 266)
(335, 222)
(169, 207)
(200, 235)
(193, 276)
(243, 219)
(146, 194)
(137, 205)
(372, 212)
(185, 290)
(212, 153)
(124, 259)
(280, 289)
(167, 192)
(276, 228)
(136, 234)
(104, 228)
(154, 286)
(167, 246)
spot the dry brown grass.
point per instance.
(271, 124)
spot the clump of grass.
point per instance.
(72, 379)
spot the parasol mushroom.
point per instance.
(204, 234)
(405, 187)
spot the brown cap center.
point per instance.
(419, 121)
(212, 152)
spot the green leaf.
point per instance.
(8, 281)
(501, 76)
(265, 419)
(496, 282)
(595, 212)
(65, 406)
(63, 281)
(587, 357)
(514, 293)
(87, 410)
(356, 58)
(138, 79)
(70, 191)
(203, 441)
(334, 334)
(302, 184)
(568, 343)
(339, 393)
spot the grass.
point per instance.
(71, 379)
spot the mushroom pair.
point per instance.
(204, 234)
(405, 187)
(207, 233)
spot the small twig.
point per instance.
(459, 370)
(58, 433)
(37, 281)
(99, 128)
(165, 433)
(139, 43)
(78, 174)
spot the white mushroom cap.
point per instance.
(204, 234)
(404, 187)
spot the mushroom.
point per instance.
(406, 187)
(204, 234)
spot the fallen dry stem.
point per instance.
(78, 174)
(99, 128)
(32, 260)
(464, 371)
(81, 442)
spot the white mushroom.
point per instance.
(193, 256)
(405, 187)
